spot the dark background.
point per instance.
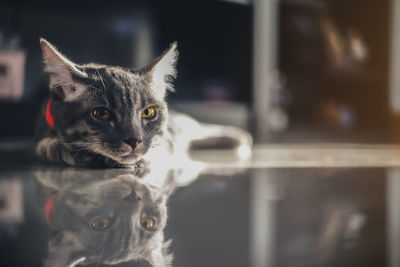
(214, 40)
(323, 94)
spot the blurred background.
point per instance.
(289, 70)
(286, 70)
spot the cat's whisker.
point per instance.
(99, 157)
(77, 143)
(115, 164)
(81, 149)
(101, 79)
(91, 86)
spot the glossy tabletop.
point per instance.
(277, 205)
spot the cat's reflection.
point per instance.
(104, 217)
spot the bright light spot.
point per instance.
(244, 152)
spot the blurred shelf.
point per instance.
(302, 156)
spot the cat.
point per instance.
(114, 116)
(107, 216)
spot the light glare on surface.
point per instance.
(243, 152)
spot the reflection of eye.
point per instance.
(101, 224)
(102, 113)
(147, 223)
(148, 113)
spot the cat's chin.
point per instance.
(128, 160)
(124, 155)
(117, 162)
(125, 151)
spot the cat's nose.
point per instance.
(133, 142)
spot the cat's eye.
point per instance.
(147, 223)
(148, 113)
(102, 113)
(101, 224)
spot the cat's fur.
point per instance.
(82, 196)
(79, 139)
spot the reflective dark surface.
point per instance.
(224, 217)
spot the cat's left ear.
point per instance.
(162, 70)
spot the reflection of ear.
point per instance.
(63, 251)
(48, 179)
(162, 70)
(160, 256)
(61, 72)
(169, 185)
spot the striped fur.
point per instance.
(78, 138)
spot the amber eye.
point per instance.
(102, 113)
(101, 224)
(147, 223)
(148, 113)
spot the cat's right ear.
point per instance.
(162, 70)
(62, 72)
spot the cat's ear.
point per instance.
(62, 72)
(45, 179)
(169, 185)
(162, 70)
(160, 257)
(64, 251)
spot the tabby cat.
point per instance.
(113, 116)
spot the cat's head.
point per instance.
(107, 221)
(110, 111)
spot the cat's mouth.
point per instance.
(124, 150)
(126, 154)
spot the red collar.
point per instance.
(49, 115)
(48, 208)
